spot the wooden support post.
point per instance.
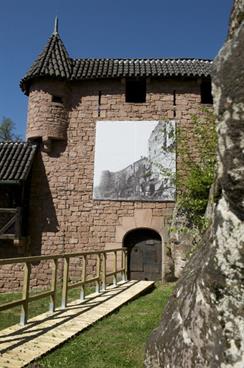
(18, 223)
(115, 269)
(65, 283)
(104, 270)
(83, 279)
(122, 259)
(125, 264)
(25, 294)
(98, 273)
(52, 304)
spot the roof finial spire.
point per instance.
(55, 32)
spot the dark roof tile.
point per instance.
(54, 62)
(15, 161)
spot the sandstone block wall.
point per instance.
(63, 215)
(47, 118)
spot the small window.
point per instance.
(206, 92)
(57, 99)
(35, 140)
(135, 91)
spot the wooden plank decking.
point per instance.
(20, 345)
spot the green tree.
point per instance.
(200, 171)
(7, 128)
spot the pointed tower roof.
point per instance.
(53, 63)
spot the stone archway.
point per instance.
(144, 254)
(142, 218)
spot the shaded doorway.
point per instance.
(144, 254)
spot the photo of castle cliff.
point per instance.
(135, 160)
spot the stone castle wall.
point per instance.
(47, 118)
(63, 215)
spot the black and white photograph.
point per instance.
(135, 160)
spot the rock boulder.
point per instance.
(203, 324)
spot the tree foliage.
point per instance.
(193, 198)
(7, 128)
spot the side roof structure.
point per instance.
(15, 161)
(54, 63)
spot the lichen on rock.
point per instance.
(203, 324)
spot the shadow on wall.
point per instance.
(9, 250)
(42, 214)
(55, 148)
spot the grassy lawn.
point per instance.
(10, 317)
(117, 341)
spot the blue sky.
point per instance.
(103, 28)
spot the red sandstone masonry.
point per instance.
(63, 215)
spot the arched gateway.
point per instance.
(144, 254)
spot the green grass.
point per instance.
(117, 341)
(11, 316)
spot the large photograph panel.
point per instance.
(135, 160)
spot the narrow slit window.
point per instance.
(135, 91)
(174, 97)
(206, 92)
(57, 99)
(174, 103)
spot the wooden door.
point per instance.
(145, 255)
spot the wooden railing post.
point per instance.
(100, 278)
(52, 305)
(65, 282)
(98, 273)
(104, 270)
(115, 269)
(123, 264)
(125, 275)
(83, 278)
(25, 293)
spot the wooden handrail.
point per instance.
(54, 256)
(100, 279)
(8, 210)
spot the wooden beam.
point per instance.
(104, 270)
(8, 210)
(98, 273)
(8, 224)
(83, 278)
(9, 305)
(25, 294)
(52, 305)
(57, 256)
(7, 236)
(65, 283)
(18, 223)
(115, 268)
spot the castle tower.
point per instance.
(45, 84)
(68, 99)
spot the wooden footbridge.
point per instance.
(23, 343)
